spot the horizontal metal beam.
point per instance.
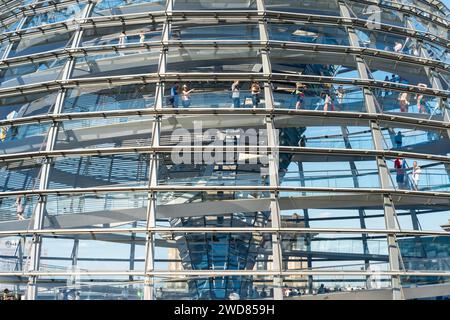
(181, 230)
(169, 188)
(215, 273)
(29, 9)
(263, 150)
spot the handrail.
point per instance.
(181, 188)
(196, 76)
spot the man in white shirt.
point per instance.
(416, 175)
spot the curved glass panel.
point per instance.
(33, 45)
(118, 7)
(32, 73)
(94, 37)
(117, 63)
(85, 172)
(236, 60)
(99, 98)
(72, 11)
(213, 5)
(326, 8)
(308, 33)
(212, 30)
(27, 105)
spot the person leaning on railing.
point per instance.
(340, 92)
(419, 98)
(255, 91)
(403, 100)
(19, 208)
(235, 94)
(299, 95)
(185, 96)
(416, 171)
(3, 131)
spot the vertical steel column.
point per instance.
(19, 264)
(132, 254)
(37, 221)
(272, 140)
(149, 292)
(162, 64)
(361, 211)
(74, 257)
(308, 236)
(266, 66)
(389, 209)
(20, 249)
(151, 212)
(277, 257)
(383, 170)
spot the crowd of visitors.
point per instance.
(329, 98)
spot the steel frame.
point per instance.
(276, 231)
